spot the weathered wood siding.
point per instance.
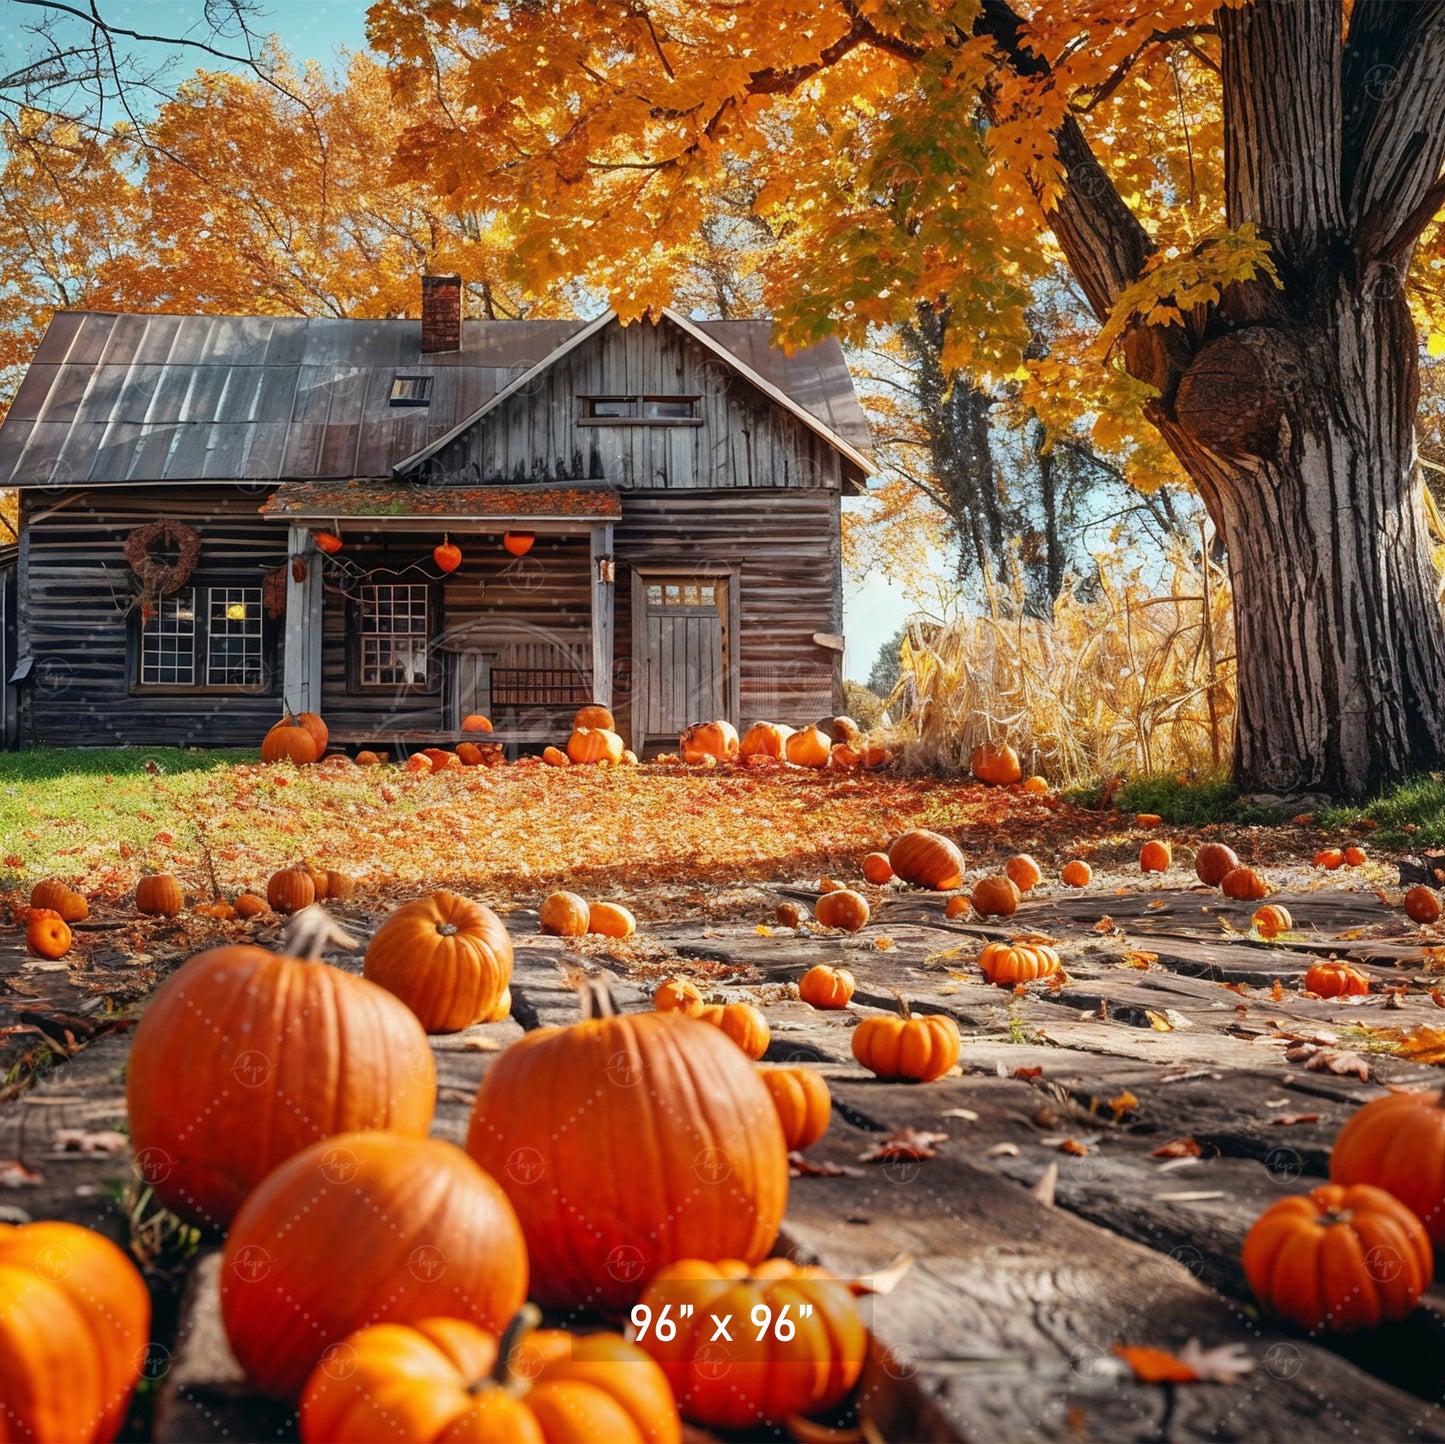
(744, 439)
(783, 545)
(72, 568)
(528, 611)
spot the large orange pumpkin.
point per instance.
(1398, 1143)
(1338, 1258)
(449, 959)
(318, 729)
(74, 1324)
(809, 747)
(765, 739)
(825, 987)
(244, 1057)
(359, 1229)
(594, 715)
(447, 1379)
(995, 896)
(718, 740)
(159, 895)
(289, 741)
(926, 859)
(843, 909)
(67, 904)
(558, 1119)
(996, 762)
(289, 889)
(803, 1102)
(767, 1381)
(902, 1046)
(594, 744)
(1213, 861)
(1009, 964)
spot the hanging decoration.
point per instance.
(328, 542)
(273, 592)
(144, 548)
(519, 543)
(447, 556)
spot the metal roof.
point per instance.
(128, 398)
(372, 500)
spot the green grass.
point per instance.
(1189, 803)
(1412, 813)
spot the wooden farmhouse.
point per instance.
(222, 516)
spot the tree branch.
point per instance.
(1122, 71)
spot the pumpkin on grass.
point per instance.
(1355, 857)
(557, 1121)
(996, 763)
(1020, 961)
(64, 901)
(555, 757)
(289, 741)
(1213, 861)
(275, 1053)
(444, 1378)
(1336, 980)
(564, 914)
(843, 909)
(360, 1229)
(610, 920)
(765, 1381)
(995, 897)
(248, 905)
(159, 895)
(1338, 1258)
(290, 889)
(677, 995)
(74, 1324)
(449, 959)
(826, 987)
(902, 1046)
(926, 859)
(1398, 1143)
(803, 1102)
(1330, 858)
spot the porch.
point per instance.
(395, 652)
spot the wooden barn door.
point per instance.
(681, 626)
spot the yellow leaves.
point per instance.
(1158, 1022)
(1435, 346)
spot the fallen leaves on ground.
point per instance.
(1193, 1364)
(912, 1143)
(800, 1167)
(1178, 1148)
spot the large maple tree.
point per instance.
(1246, 196)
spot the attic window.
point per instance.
(639, 411)
(411, 391)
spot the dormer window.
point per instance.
(411, 391)
(639, 411)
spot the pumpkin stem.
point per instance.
(506, 1375)
(447, 930)
(902, 1004)
(1333, 1216)
(310, 932)
(596, 999)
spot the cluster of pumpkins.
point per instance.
(831, 742)
(379, 1277)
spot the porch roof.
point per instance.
(379, 501)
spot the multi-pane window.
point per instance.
(394, 631)
(639, 408)
(204, 637)
(682, 594)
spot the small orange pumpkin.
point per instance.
(475, 722)
(1008, 964)
(593, 715)
(843, 909)
(926, 859)
(340, 885)
(555, 757)
(447, 555)
(1271, 920)
(290, 889)
(367, 758)
(1355, 857)
(1336, 980)
(1329, 858)
(159, 895)
(594, 744)
(896, 1045)
(1024, 871)
(1155, 856)
(765, 740)
(995, 897)
(1077, 873)
(441, 759)
(789, 914)
(747, 1027)
(874, 755)
(718, 740)
(47, 934)
(1301, 1268)
(1422, 905)
(877, 869)
(810, 747)
(61, 899)
(803, 1102)
(958, 907)
(610, 920)
(564, 914)
(1244, 884)
(996, 763)
(678, 995)
(248, 905)
(1213, 861)
(418, 762)
(826, 987)
(328, 542)
(1036, 786)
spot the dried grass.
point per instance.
(1129, 680)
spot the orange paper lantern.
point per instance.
(519, 543)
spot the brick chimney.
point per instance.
(441, 314)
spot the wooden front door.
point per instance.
(684, 627)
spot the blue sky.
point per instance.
(874, 608)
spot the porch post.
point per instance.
(602, 615)
(301, 677)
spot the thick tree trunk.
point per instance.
(1302, 443)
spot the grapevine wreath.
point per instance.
(159, 578)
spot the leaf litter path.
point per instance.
(1106, 1142)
